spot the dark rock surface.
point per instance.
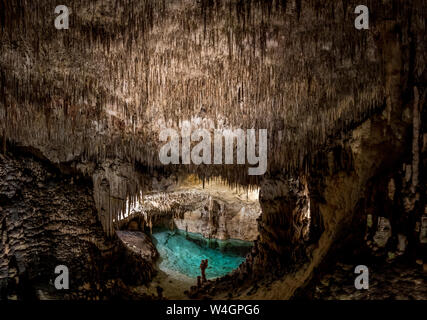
(47, 219)
(398, 281)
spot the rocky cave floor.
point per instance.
(396, 281)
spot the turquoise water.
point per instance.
(182, 252)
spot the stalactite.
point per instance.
(415, 141)
(247, 64)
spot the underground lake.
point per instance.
(182, 252)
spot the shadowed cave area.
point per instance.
(84, 184)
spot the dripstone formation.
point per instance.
(344, 110)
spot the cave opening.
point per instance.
(192, 221)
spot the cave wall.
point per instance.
(49, 219)
(221, 220)
(217, 213)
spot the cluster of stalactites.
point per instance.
(123, 194)
(100, 89)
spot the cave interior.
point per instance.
(334, 118)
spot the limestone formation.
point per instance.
(81, 110)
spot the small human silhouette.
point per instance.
(159, 292)
(203, 266)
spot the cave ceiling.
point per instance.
(124, 70)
